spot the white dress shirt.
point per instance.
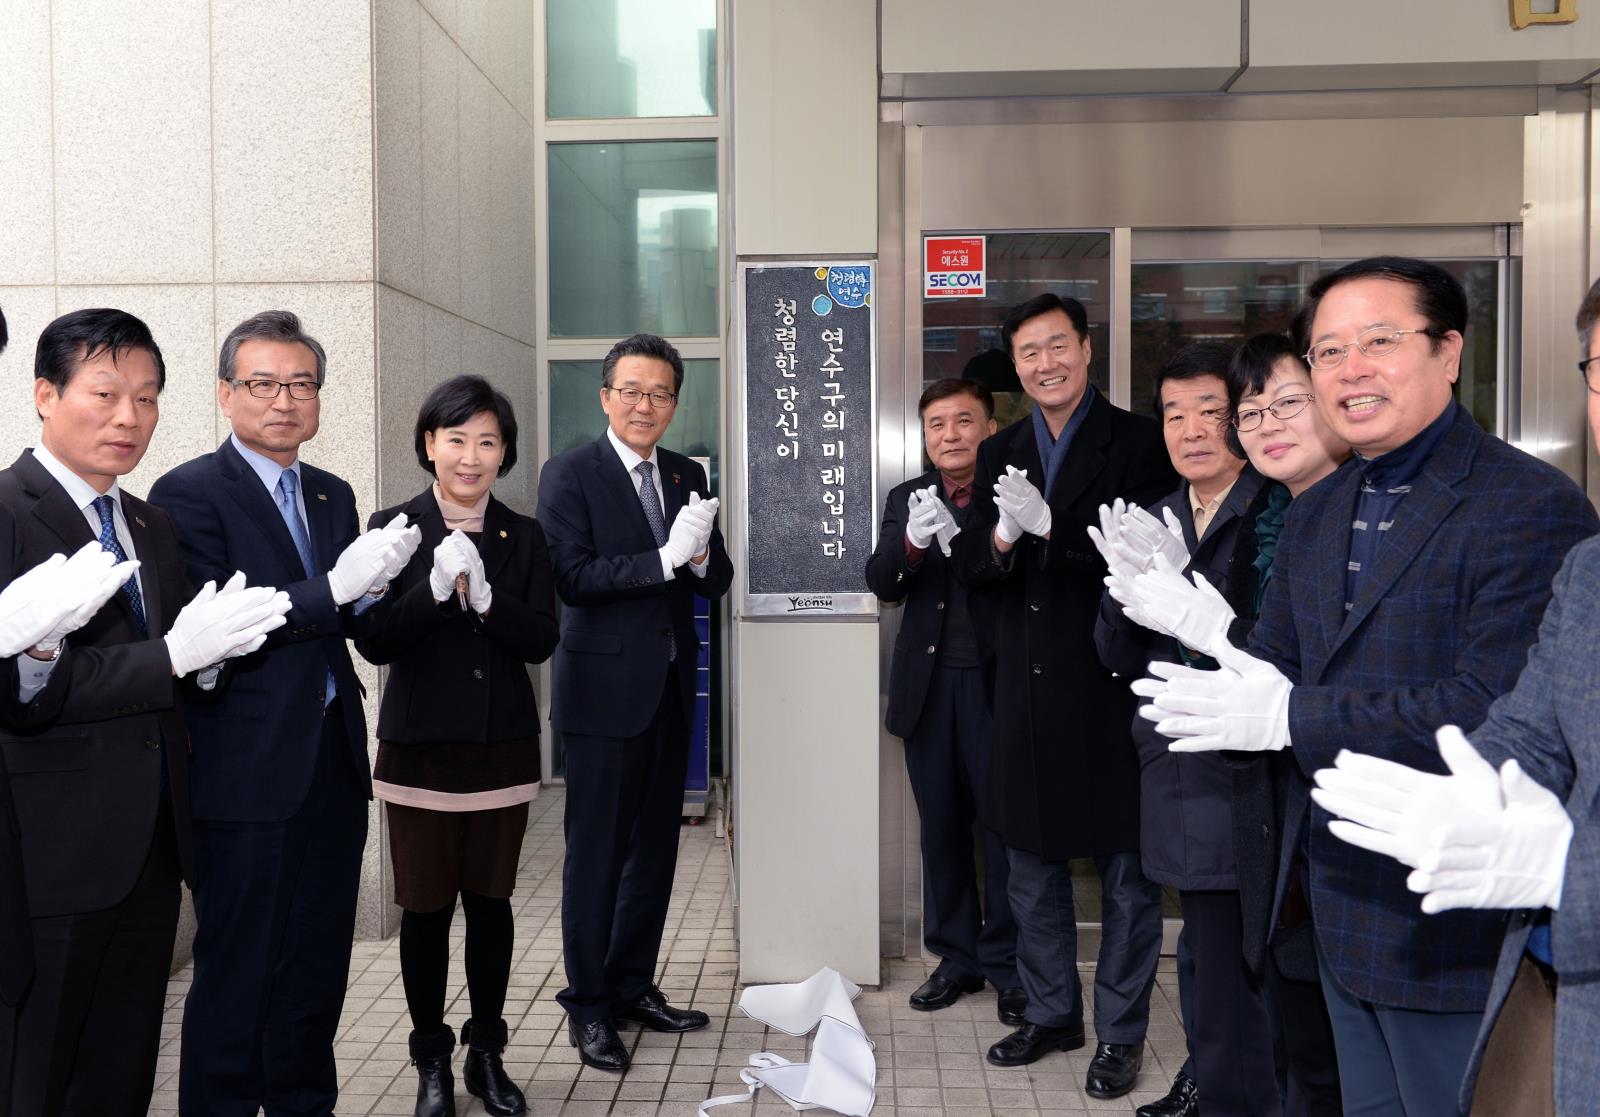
(630, 462)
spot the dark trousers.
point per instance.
(275, 904)
(947, 759)
(1227, 1025)
(1047, 944)
(1306, 1037)
(1398, 1062)
(623, 811)
(86, 1034)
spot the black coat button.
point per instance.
(939, 606)
(1034, 605)
(152, 745)
(1037, 669)
(930, 649)
(477, 672)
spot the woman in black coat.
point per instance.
(458, 730)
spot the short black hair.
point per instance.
(269, 325)
(1252, 367)
(5, 335)
(83, 335)
(644, 345)
(1044, 304)
(457, 400)
(1438, 294)
(1197, 359)
(950, 386)
(1588, 315)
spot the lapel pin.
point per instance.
(322, 496)
(676, 480)
(138, 521)
(502, 534)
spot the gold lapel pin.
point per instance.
(322, 496)
(502, 535)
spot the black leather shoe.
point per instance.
(1114, 1069)
(1031, 1042)
(1012, 1004)
(436, 1087)
(941, 992)
(485, 1075)
(598, 1045)
(1181, 1101)
(652, 1011)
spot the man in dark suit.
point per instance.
(281, 783)
(1405, 594)
(939, 705)
(1186, 801)
(95, 749)
(1065, 777)
(624, 677)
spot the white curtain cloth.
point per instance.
(842, 1073)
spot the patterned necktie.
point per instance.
(109, 540)
(658, 527)
(288, 483)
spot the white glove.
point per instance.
(1142, 537)
(948, 530)
(1477, 838)
(448, 563)
(1108, 541)
(707, 511)
(366, 563)
(1018, 499)
(691, 531)
(924, 510)
(215, 625)
(479, 594)
(1243, 706)
(1164, 601)
(42, 605)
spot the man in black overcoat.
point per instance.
(1065, 777)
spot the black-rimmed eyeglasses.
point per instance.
(632, 396)
(1590, 373)
(1285, 407)
(269, 389)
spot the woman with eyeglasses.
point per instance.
(458, 730)
(1272, 422)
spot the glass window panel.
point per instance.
(626, 58)
(961, 336)
(633, 239)
(1179, 302)
(576, 418)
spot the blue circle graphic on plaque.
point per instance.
(821, 305)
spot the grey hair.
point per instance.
(269, 325)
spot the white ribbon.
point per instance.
(842, 1073)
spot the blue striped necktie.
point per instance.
(109, 541)
(288, 485)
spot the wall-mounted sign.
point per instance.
(808, 344)
(952, 267)
(1523, 15)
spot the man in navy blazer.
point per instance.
(624, 688)
(279, 779)
(939, 705)
(1404, 595)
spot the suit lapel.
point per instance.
(495, 544)
(673, 486)
(624, 495)
(1245, 488)
(246, 490)
(319, 518)
(1330, 549)
(1086, 457)
(146, 546)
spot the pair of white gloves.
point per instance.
(1476, 838)
(1021, 506)
(929, 520)
(456, 557)
(44, 605)
(690, 534)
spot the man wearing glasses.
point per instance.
(633, 537)
(1406, 591)
(280, 780)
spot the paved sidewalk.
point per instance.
(929, 1064)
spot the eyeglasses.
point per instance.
(1590, 374)
(1286, 407)
(1379, 341)
(632, 396)
(269, 389)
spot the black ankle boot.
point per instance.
(436, 1087)
(484, 1074)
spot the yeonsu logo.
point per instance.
(810, 604)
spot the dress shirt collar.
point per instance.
(630, 457)
(959, 495)
(82, 493)
(264, 467)
(1205, 513)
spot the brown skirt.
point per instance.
(439, 853)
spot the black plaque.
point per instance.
(808, 349)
